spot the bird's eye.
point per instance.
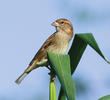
(62, 22)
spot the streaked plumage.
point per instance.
(56, 43)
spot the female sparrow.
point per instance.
(57, 43)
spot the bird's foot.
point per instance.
(52, 75)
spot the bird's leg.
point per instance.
(48, 67)
(52, 74)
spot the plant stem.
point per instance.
(52, 89)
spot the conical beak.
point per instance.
(55, 24)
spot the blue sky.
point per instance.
(25, 25)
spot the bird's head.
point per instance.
(64, 26)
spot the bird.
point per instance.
(57, 43)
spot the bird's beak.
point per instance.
(55, 24)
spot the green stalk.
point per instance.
(52, 88)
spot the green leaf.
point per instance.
(89, 39)
(52, 94)
(61, 66)
(77, 49)
(105, 98)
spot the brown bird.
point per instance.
(57, 43)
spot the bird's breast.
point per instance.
(61, 44)
(59, 49)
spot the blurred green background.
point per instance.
(26, 24)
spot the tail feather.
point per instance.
(20, 78)
(27, 71)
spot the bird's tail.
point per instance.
(26, 72)
(21, 77)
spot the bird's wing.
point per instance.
(42, 53)
(39, 57)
